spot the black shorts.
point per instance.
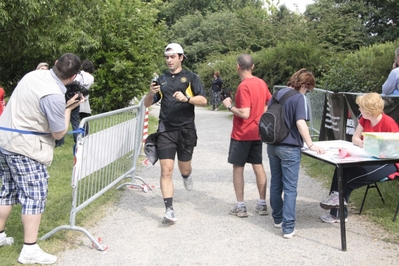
(241, 152)
(180, 141)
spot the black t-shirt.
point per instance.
(175, 114)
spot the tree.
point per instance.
(336, 27)
(173, 10)
(119, 36)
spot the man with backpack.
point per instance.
(251, 101)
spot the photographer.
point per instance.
(34, 117)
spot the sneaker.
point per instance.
(328, 218)
(290, 235)
(278, 225)
(261, 209)
(169, 216)
(34, 255)
(6, 241)
(188, 183)
(239, 211)
(332, 201)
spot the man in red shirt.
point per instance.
(251, 101)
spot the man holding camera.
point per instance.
(34, 117)
(180, 91)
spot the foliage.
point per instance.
(336, 26)
(173, 10)
(119, 36)
(227, 65)
(378, 18)
(362, 71)
(277, 64)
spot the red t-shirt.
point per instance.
(252, 93)
(386, 124)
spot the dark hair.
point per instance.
(245, 61)
(67, 66)
(302, 77)
(88, 66)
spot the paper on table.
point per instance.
(333, 147)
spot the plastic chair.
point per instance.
(374, 185)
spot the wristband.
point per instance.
(310, 146)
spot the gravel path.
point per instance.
(206, 234)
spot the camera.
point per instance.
(75, 88)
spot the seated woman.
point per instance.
(372, 119)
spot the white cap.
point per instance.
(174, 48)
(41, 64)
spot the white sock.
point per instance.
(262, 202)
(240, 203)
(30, 247)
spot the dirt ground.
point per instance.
(205, 234)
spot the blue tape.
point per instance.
(79, 130)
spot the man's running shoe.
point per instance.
(188, 183)
(261, 209)
(239, 211)
(169, 216)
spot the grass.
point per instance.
(57, 211)
(374, 209)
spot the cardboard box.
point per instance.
(381, 144)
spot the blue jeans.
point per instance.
(284, 163)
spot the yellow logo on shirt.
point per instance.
(183, 80)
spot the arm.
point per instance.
(390, 84)
(71, 104)
(240, 112)
(304, 131)
(195, 100)
(149, 98)
(357, 136)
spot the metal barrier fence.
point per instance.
(105, 156)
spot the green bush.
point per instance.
(362, 71)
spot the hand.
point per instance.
(317, 149)
(154, 88)
(178, 95)
(74, 102)
(227, 102)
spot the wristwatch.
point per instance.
(231, 106)
(188, 99)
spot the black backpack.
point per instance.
(272, 127)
